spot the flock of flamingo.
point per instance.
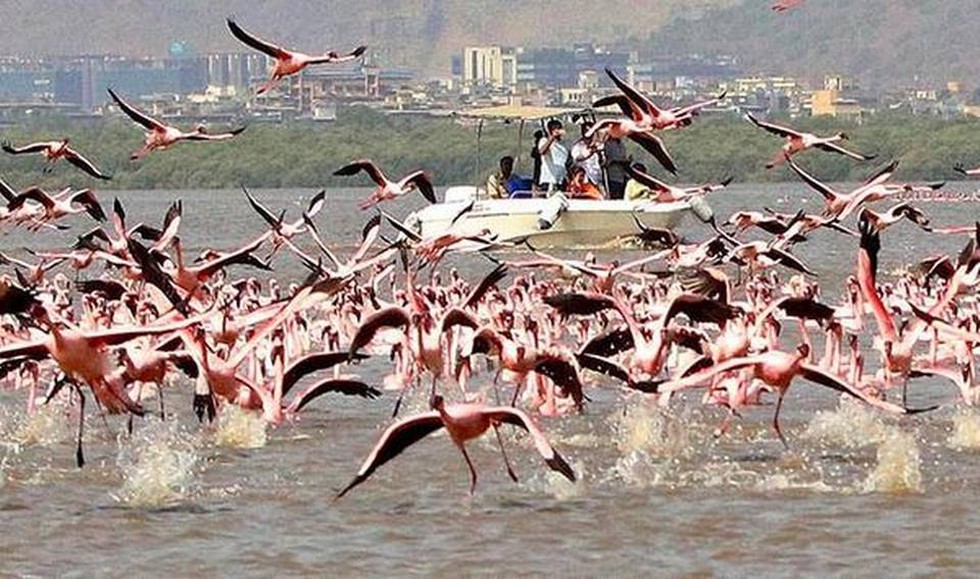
(560, 329)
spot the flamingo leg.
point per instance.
(500, 442)
(469, 463)
(79, 456)
(775, 421)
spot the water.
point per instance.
(858, 493)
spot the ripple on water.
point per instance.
(237, 428)
(158, 465)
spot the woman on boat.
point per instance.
(581, 188)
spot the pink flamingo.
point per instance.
(388, 189)
(463, 422)
(160, 136)
(798, 141)
(287, 62)
(54, 150)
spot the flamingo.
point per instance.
(786, 5)
(160, 136)
(287, 62)
(463, 422)
(54, 150)
(798, 141)
(777, 369)
(665, 193)
(968, 172)
(642, 110)
(59, 205)
(388, 189)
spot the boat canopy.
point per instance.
(519, 112)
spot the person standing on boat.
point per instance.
(586, 154)
(554, 157)
(615, 163)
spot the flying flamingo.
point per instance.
(463, 422)
(54, 150)
(777, 369)
(388, 189)
(160, 136)
(287, 61)
(968, 172)
(786, 5)
(798, 141)
(60, 205)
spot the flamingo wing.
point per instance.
(76, 159)
(87, 199)
(638, 99)
(314, 363)
(773, 128)
(256, 42)
(580, 303)
(33, 194)
(32, 148)
(823, 378)
(647, 180)
(489, 281)
(564, 374)
(393, 317)
(423, 184)
(346, 387)
(520, 419)
(835, 148)
(393, 442)
(603, 366)
(140, 118)
(825, 190)
(609, 344)
(655, 146)
(618, 100)
(263, 211)
(368, 167)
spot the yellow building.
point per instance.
(828, 102)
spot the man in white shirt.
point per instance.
(586, 154)
(554, 157)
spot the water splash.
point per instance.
(48, 426)
(563, 489)
(898, 468)
(158, 465)
(238, 428)
(642, 427)
(651, 443)
(966, 430)
(852, 424)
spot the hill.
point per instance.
(420, 33)
(884, 42)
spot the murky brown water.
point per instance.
(859, 493)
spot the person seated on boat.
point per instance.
(554, 157)
(581, 188)
(587, 153)
(502, 183)
(636, 191)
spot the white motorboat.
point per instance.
(556, 221)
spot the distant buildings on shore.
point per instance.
(195, 87)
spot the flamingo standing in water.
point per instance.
(54, 150)
(388, 189)
(287, 62)
(463, 422)
(798, 141)
(160, 136)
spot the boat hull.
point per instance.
(553, 222)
